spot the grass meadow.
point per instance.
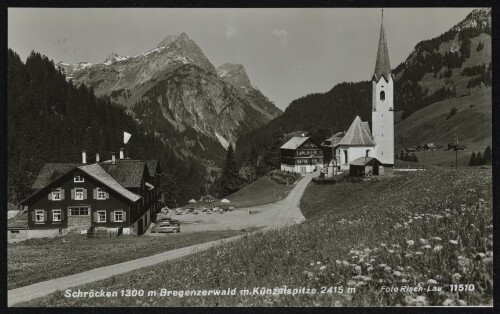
(36, 260)
(428, 229)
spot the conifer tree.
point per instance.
(487, 156)
(472, 161)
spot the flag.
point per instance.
(126, 137)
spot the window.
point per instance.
(56, 215)
(79, 177)
(101, 194)
(382, 95)
(56, 194)
(101, 216)
(79, 194)
(118, 215)
(345, 156)
(79, 211)
(367, 153)
(39, 215)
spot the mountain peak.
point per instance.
(173, 38)
(234, 74)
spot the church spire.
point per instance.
(382, 66)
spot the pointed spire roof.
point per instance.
(358, 134)
(382, 66)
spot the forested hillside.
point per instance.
(50, 120)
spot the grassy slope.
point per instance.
(37, 260)
(345, 223)
(263, 191)
(471, 125)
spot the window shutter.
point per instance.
(44, 215)
(124, 216)
(62, 194)
(84, 194)
(72, 194)
(33, 216)
(50, 195)
(50, 215)
(95, 194)
(112, 217)
(107, 195)
(95, 216)
(62, 215)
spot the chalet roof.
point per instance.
(358, 134)
(20, 221)
(363, 161)
(50, 172)
(152, 167)
(127, 172)
(333, 140)
(382, 65)
(295, 142)
(98, 173)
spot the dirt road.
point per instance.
(273, 215)
(283, 212)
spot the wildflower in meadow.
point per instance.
(410, 242)
(423, 241)
(431, 282)
(383, 244)
(391, 251)
(388, 268)
(448, 302)
(382, 265)
(456, 276)
(436, 238)
(338, 262)
(345, 263)
(397, 273)
(427, 246)
(404, 280)
(454, 242)
(419, 253)
(369, 269)
(408, 255)
(461, 303)
(319, 263)
(357, 268)
(311, 264)
(437, 248)
(322, 267)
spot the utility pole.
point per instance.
(456, 153)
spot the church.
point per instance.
(360, 147)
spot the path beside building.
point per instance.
(281, 213)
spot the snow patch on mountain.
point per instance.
(222, 140)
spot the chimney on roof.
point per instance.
(122, 153)
(84, 157)
(303, 134)
(97, 157)
(113, 158)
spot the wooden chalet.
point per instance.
(117, 195)
(301, 154)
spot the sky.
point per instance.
(287, 53)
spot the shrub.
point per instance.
(453, 111)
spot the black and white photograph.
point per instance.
(249, 157)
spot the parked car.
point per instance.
(166, 218)
(165, 226)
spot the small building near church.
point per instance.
(366, 166)
(301, 154)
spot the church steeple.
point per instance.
(382, 66)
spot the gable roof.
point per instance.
(333, 140)
(98, 173)
(20, 221)
(295, 142)
(51, 172)
(358, 134)
(363, 161)
(127, 172)
(153, 167)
